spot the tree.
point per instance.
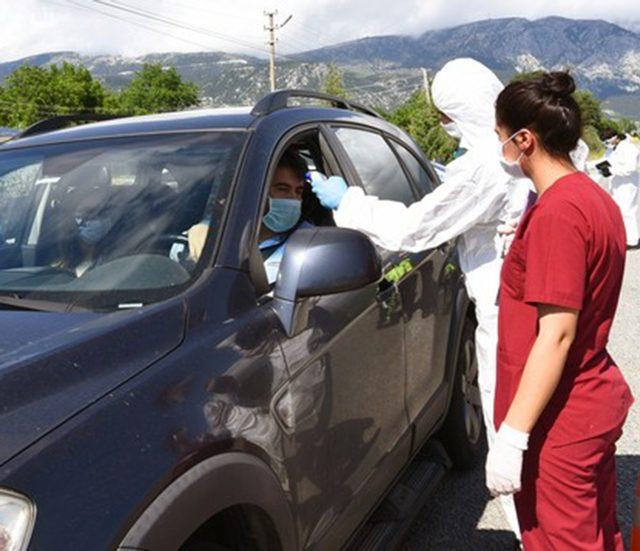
(592, 114)
(422, 121)
(334, 82)
(154, 89)
(592, 139)
(31, 93)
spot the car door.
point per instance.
(428, 310)
(418, 276)
(342, 410)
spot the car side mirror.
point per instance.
(322, 261)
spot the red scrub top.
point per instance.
(569, 251)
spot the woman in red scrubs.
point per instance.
(561, 401)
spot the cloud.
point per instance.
(36, 26)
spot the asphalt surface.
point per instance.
(462, 515)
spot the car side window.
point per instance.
(423, 180)
(376, 164)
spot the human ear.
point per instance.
(525, 140)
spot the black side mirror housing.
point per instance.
(323, 261)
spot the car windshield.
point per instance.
(105, 223)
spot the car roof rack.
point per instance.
(280, 99)
(62, 121)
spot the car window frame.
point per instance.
(424, 164)
(346, 158)
(258, 272)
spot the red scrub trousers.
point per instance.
(569, 251)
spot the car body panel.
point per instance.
(211, 395)
(347, 397)
(71, 360)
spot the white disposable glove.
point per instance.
(507, 232)
(504, 461)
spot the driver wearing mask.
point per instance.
(282, 218)
(284, 212)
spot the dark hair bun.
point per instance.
(546, 105)
(559, 84)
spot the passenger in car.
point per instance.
(283, 217)
(85, 220)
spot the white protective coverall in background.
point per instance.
(580, 155)
(471, 203)
(625, 162)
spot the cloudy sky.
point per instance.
(133, 27)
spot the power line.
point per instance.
(71, 3)
(139, 12)
(201, 10)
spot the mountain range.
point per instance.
(384, 70)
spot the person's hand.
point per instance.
(197, 236)
(504, 461)
(507, 232)
(329, 191)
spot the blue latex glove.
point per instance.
(329, 191)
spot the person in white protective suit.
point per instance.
(471, 203)
(625, 178)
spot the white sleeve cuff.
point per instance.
(513, 437)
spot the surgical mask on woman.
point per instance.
(512, 168)
(452, 129)
(283, 214)
(93, 231)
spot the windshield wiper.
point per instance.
(18, 303)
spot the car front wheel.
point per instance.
(463, 430)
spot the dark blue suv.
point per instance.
(157, 392)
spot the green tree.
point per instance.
(422, 121)
(30, 94)
(591, 137)
(334, 82)
(154, 89)
(592, 114)
(526, 75)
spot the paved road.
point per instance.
(461, 515)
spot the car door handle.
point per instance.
(388, 294)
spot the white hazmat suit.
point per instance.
(625, 178)
(471, 203)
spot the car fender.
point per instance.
(209, 487)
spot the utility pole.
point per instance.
(425, 82)
(272, 27)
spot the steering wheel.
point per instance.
(171, 238)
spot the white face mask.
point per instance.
(452, 129)
(512, 168)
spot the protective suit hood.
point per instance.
(466, 91)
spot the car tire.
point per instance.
(463, 431)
